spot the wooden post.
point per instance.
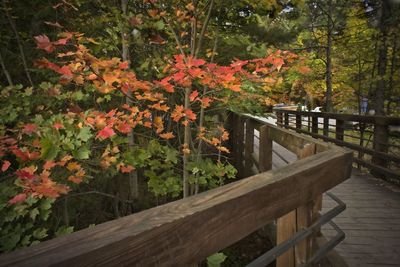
(339, 129)
(294, 221)
(326, 126)
(279, 118)
(239, 126)
(286, 120)
(381, 140)
(249, 148)
(265, 149)
(314, 126)
(304, 218)
(298, 122)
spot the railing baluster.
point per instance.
(381, 139)
(339, 129)
(326, 126)
(279, 118)
(249, 148)
(265, 150)
(314, 126)
(286, 120)
(298, 121)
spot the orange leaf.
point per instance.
(205, 102)
(168, 135)
(304, 69)
(123, 65)
(75, 179)
(193, 95)
(178, 113)
(73, 166)
(157, 39)
(152, 12)
(190, 114)
(126, 169)
(48, 165)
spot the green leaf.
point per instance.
(63, 230)
(171, 155)
(40, 233)
(33, 213)
(84, 134)
(46, 204)
(159, 25)
(81, 153)
(49, 149)
(216, 259)
(10, 242)
(78, 95)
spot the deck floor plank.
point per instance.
(371, 221)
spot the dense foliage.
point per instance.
(111, 107)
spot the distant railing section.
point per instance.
(187, 231)
(376, 139)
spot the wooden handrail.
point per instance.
(186, 231)
(380, 157)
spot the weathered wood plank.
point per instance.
(286, 228)
(304, 217)
(265, 149)
(171, 234)
(248, 147)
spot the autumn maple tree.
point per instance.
(98, 118)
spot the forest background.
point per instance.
(111, 107)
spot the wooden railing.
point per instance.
(376, 139)
(185, 232)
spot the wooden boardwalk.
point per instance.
(371, 221)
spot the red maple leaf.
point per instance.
(123, 65)
(18, 198)
(25, 173)
(179, 76)
(62, 41)
(124, 128)
(105, 133)
(29, 128)
(5, 166)
(58, 125)
(43, 42)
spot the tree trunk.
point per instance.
(382, 60)
(5, 71)
(328, 104)
(19, 43)
(133, 176)
(392, 71)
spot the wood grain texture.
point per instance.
(304, 218)
(294, 221)
(188, 230)
(265, 149)
(249, 147)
